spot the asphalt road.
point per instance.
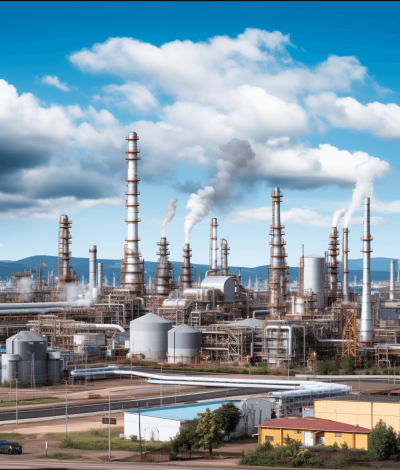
(59, 411)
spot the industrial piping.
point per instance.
(213, 247)
(345, 266)
(392, 270)
(366, 306)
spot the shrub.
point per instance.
(349, 364)
(339, 461)
(134, 438)
(327, 367)
(235, 364)
(344, 446)
(382, 442)
(229, 416)
(173, 455)
(180, 363)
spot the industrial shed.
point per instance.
(364, 410)
(313, 431)
(164, 423)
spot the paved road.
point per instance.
(124, 404)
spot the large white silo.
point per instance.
(149, 336)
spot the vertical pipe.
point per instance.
(100, 277)
(392, 271)
(92, 268)
(213, 247)
(345, 266)
(186, 268)
(366, 307)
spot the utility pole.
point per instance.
(109, 425)
(161, 387)
(16, 400)
(66, 409)
(140, 439)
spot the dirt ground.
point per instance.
(34, 447)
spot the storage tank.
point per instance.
(54, 367)
(300, 305)
(31, 348)
(314, 276)
(149, 336)
(184, 342)
(9, 367)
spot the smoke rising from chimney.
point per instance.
(169, 215)
(366, 173)
(337, 217)
(198, 205)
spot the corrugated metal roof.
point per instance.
(313, 424)
(183, 412)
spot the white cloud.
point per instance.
(382, 120)
(132, 94)
(54, 81)
(295, 215)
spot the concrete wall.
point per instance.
(152, 428)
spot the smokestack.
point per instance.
(224, 257)
(100, 277)
(92, 268)
(186, 268)
(392, 271)
(164, 275)
(65, 274)
(277, 264)
(366, 307)
(345, 266)
(132, 266)
(213, 247)
(333, 263)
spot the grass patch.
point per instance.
(34, 401)
(98, 440)
(13, 436)
(136, 459)
(59, 456)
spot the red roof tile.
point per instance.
(313, 424)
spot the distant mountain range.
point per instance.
(380, 268)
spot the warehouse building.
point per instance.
(164, 423)
(313, 431)
(362, 410)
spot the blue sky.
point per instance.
(237, 97)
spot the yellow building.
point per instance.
(362, 410)
(313, 431)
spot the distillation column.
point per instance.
(278, 264)
(345, 266)
(333, 263)
(64, 254)
(100, 277)
(213, 267)
(392, 271)
(366, 306)
(186, 268)
(92, 268)
(163, 276)
(132, 269)
(224, 257)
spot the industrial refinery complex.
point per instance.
(64, 326)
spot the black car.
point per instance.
(7, 447)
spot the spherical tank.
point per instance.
(149, 336)
(314, 276)
(184, 342)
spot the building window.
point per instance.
(338, 434)
(297, 432)
(269, 438)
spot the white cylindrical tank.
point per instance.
(9, 366)
(149, 336)
(184, 342)
(300, 305)
(314, 276)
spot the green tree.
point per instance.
(209, 430)
(229, 416)
(327, 367)
(349, 364)
(382, 442)
(187, 438)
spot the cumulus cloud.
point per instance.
(131, 94)
(295, 215)
(54, 81)
(55, 152)
(382, 120)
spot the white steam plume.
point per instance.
(169, 215)
(337, 216)
(198, 205)
(366, 173)
(24, 287)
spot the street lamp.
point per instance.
(161, 387)
(109, 425)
